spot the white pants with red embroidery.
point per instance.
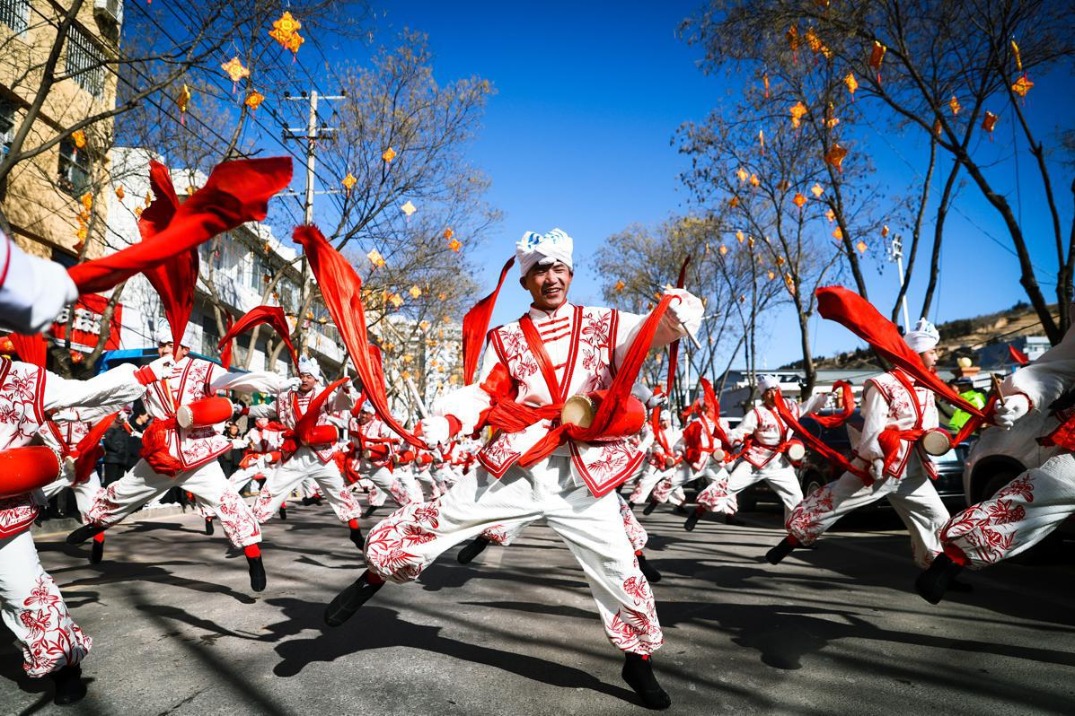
(207, 483)
(649, 479)
(670, 489)
(1019, 516)
(720, 495)
(408, 540)
(85, 492)
(912, 496)
(636, 533)
(399, 484)
(303, 465)
(374, 496)
(34, 610)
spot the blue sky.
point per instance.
(580, 136)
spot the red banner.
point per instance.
(86, 329)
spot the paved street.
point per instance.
(833, 630)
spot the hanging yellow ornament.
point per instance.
(87, 200)
(852, 84)
(761, 139)
(861, 246)
(254, 99)
(723, 250)
(415, 292)
(408, 208)
(954, 105)
(743, 175)
(349, 182)
(838, 233)
(1018, 56)
(234, 68)
(375, 258)
(754, 180)
(388, 155)
(740, 236)
(771, 274)
(798, 111)
(817, 190)
(79, 138)
(182, 101)
(295, 42)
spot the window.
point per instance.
(13, 13)
(74, 168)
(258, 272)
(7, 124)
(85, 63)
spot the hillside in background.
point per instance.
(961, 337)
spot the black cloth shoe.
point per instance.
(69, 685)
(648, 570)
(357, 538)
(679, 510)
(347, 602)
(472, 550)
(317, 500)
(306, 501)
(935, 581)
(369, 510)
(692, 521)
(638, 673)
(209, 529)
(84, 533)
(257, 574)
(283, 513)
(650, 507)
(97, 552)
(777, 554)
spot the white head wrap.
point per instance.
(765, 382)
(923, 337)
(164, 333)
(536, 249)
(309, 365)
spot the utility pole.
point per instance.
(895, 253)
(313, 132)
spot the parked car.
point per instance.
(1001, 455)
(815, 471)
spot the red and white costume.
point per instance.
(376, 446)
(891, 401)
(661, 461)
(262, 455)
(196, 449)
(30, 602)
(63, 436)
(767, 437)
(1036, 502)
(580, 348)
(316, 462)
(697, 444)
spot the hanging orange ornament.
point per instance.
(761, 140)
(838, 233)
(285, 30)
(835, 157)
(349, 182)
(765, 82)
(620, 285)
(830, 215)
(772, 274)
(87, 200)
(798, 111)
(254, 99)
(799, 199)
(831, 120)
(861, 246)
(388, 155)
(120, 193)
(723, 250)
(455, 245)
(733, 202)
(375, 258)
(79, 138)
(1022, 86)
(793, 38)
(234, 68)
(955, 106)
(448, 234)
(937, 127)
(989, 121)
(740, 236)
(884, 231)
(877, 55)
(755, 181)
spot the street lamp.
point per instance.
(895, 253)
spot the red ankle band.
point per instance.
(252, 551)
(353, 524)
(99, 537)
(793, 541)
(374, 578)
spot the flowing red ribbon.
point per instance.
(273, 316)
(89, 449)
(236, 192)
(847, 398)
(476, 325)
(841, 463)
(31, 349)
(342, 290)
(1017, 355)
(860, 317)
